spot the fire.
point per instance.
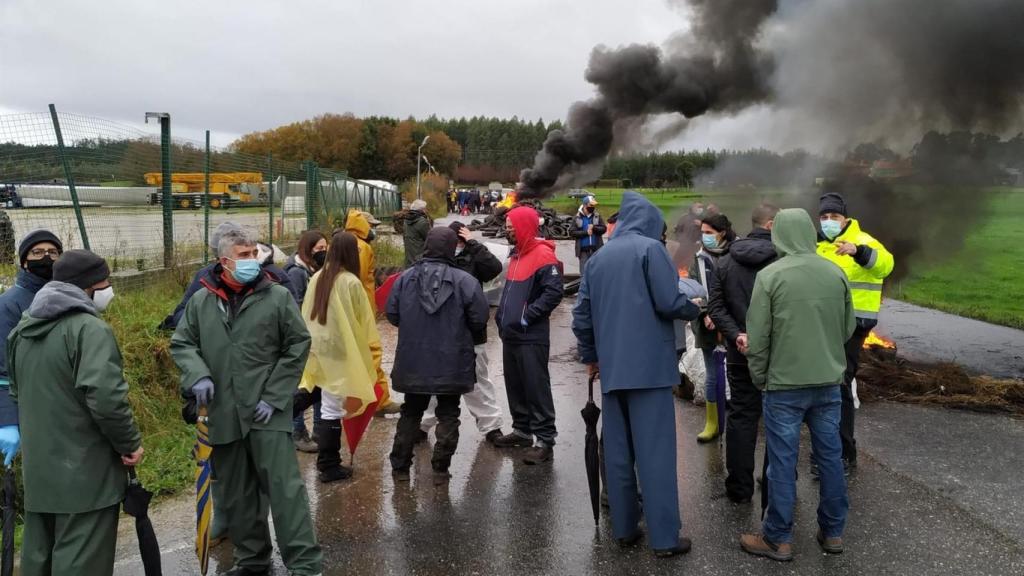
(875, 341)
(509, 200)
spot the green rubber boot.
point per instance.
(710, 423)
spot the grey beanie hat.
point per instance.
(81, 268)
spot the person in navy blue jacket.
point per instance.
(37, 252)
(533, 289)
(623, 317)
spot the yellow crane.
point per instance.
(226, 188)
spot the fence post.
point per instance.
(310, 194)
(206, 200)
(165, 184)
(70, 178)
(270, 198)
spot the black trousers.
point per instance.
(741, 429)
(846, 428)
(446, 433)
(528, 385)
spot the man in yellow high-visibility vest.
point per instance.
(866, 263)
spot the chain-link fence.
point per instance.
(148, 202)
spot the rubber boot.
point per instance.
(328, 457)
(710, 423)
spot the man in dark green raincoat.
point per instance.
(77, 429)
(241, 346)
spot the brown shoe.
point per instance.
(757, 545)
(830, 545)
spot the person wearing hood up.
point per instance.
(473, 257)
(622, 320)
(533, 289)
(728, 301)
(867, 264)
(434, 302)
(362, 226)
(588, 228)
(414, 234)
(67, 379)
(801, 315)
(38, 251)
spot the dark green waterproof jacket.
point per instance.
(67, 378)
(252, 345)
(417, 224)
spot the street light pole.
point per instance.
(419, 156)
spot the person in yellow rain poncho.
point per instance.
(344, 352)
(361, 224)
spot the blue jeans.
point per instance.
(784, 414)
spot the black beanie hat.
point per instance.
(832, 202)
(35, 237)
(456, 226)
(81, 268)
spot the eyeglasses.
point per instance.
(40, 252)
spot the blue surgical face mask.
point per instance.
(246, 270)
(831, 228)
(709, 240)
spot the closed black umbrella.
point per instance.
(7, 559)
(136, 503)
(591, 413)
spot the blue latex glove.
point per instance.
(10, 442)
(264, 412)
(203, 391)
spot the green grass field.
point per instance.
(983, 280)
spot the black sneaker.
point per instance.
(441, 477)
(421, 437)
(341, 472)
(400, 474)
(538, 454)
(244, 571)
(684, 546)
(512, 440)
(493, 436)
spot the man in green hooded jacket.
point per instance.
(800, 317)
(77, 429)
(241, 346)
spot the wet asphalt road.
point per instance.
(937, 493)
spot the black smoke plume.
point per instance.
(839, 72)
(716, 68)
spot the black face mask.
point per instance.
(371, 235)
(42, 268)
(319, 259)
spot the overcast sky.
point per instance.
(234, 67)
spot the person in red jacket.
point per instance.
(533, 289)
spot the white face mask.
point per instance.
(102, 298)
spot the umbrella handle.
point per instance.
(590, 386)
(133, 478)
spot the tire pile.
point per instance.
(554, 227)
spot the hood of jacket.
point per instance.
(357, 223)
(294, 261)
(440, 245)
(755, 250)
(435, 283)
(639, 216)
(525, 222)
(52, 302)
(794, 233)
(412, 216)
